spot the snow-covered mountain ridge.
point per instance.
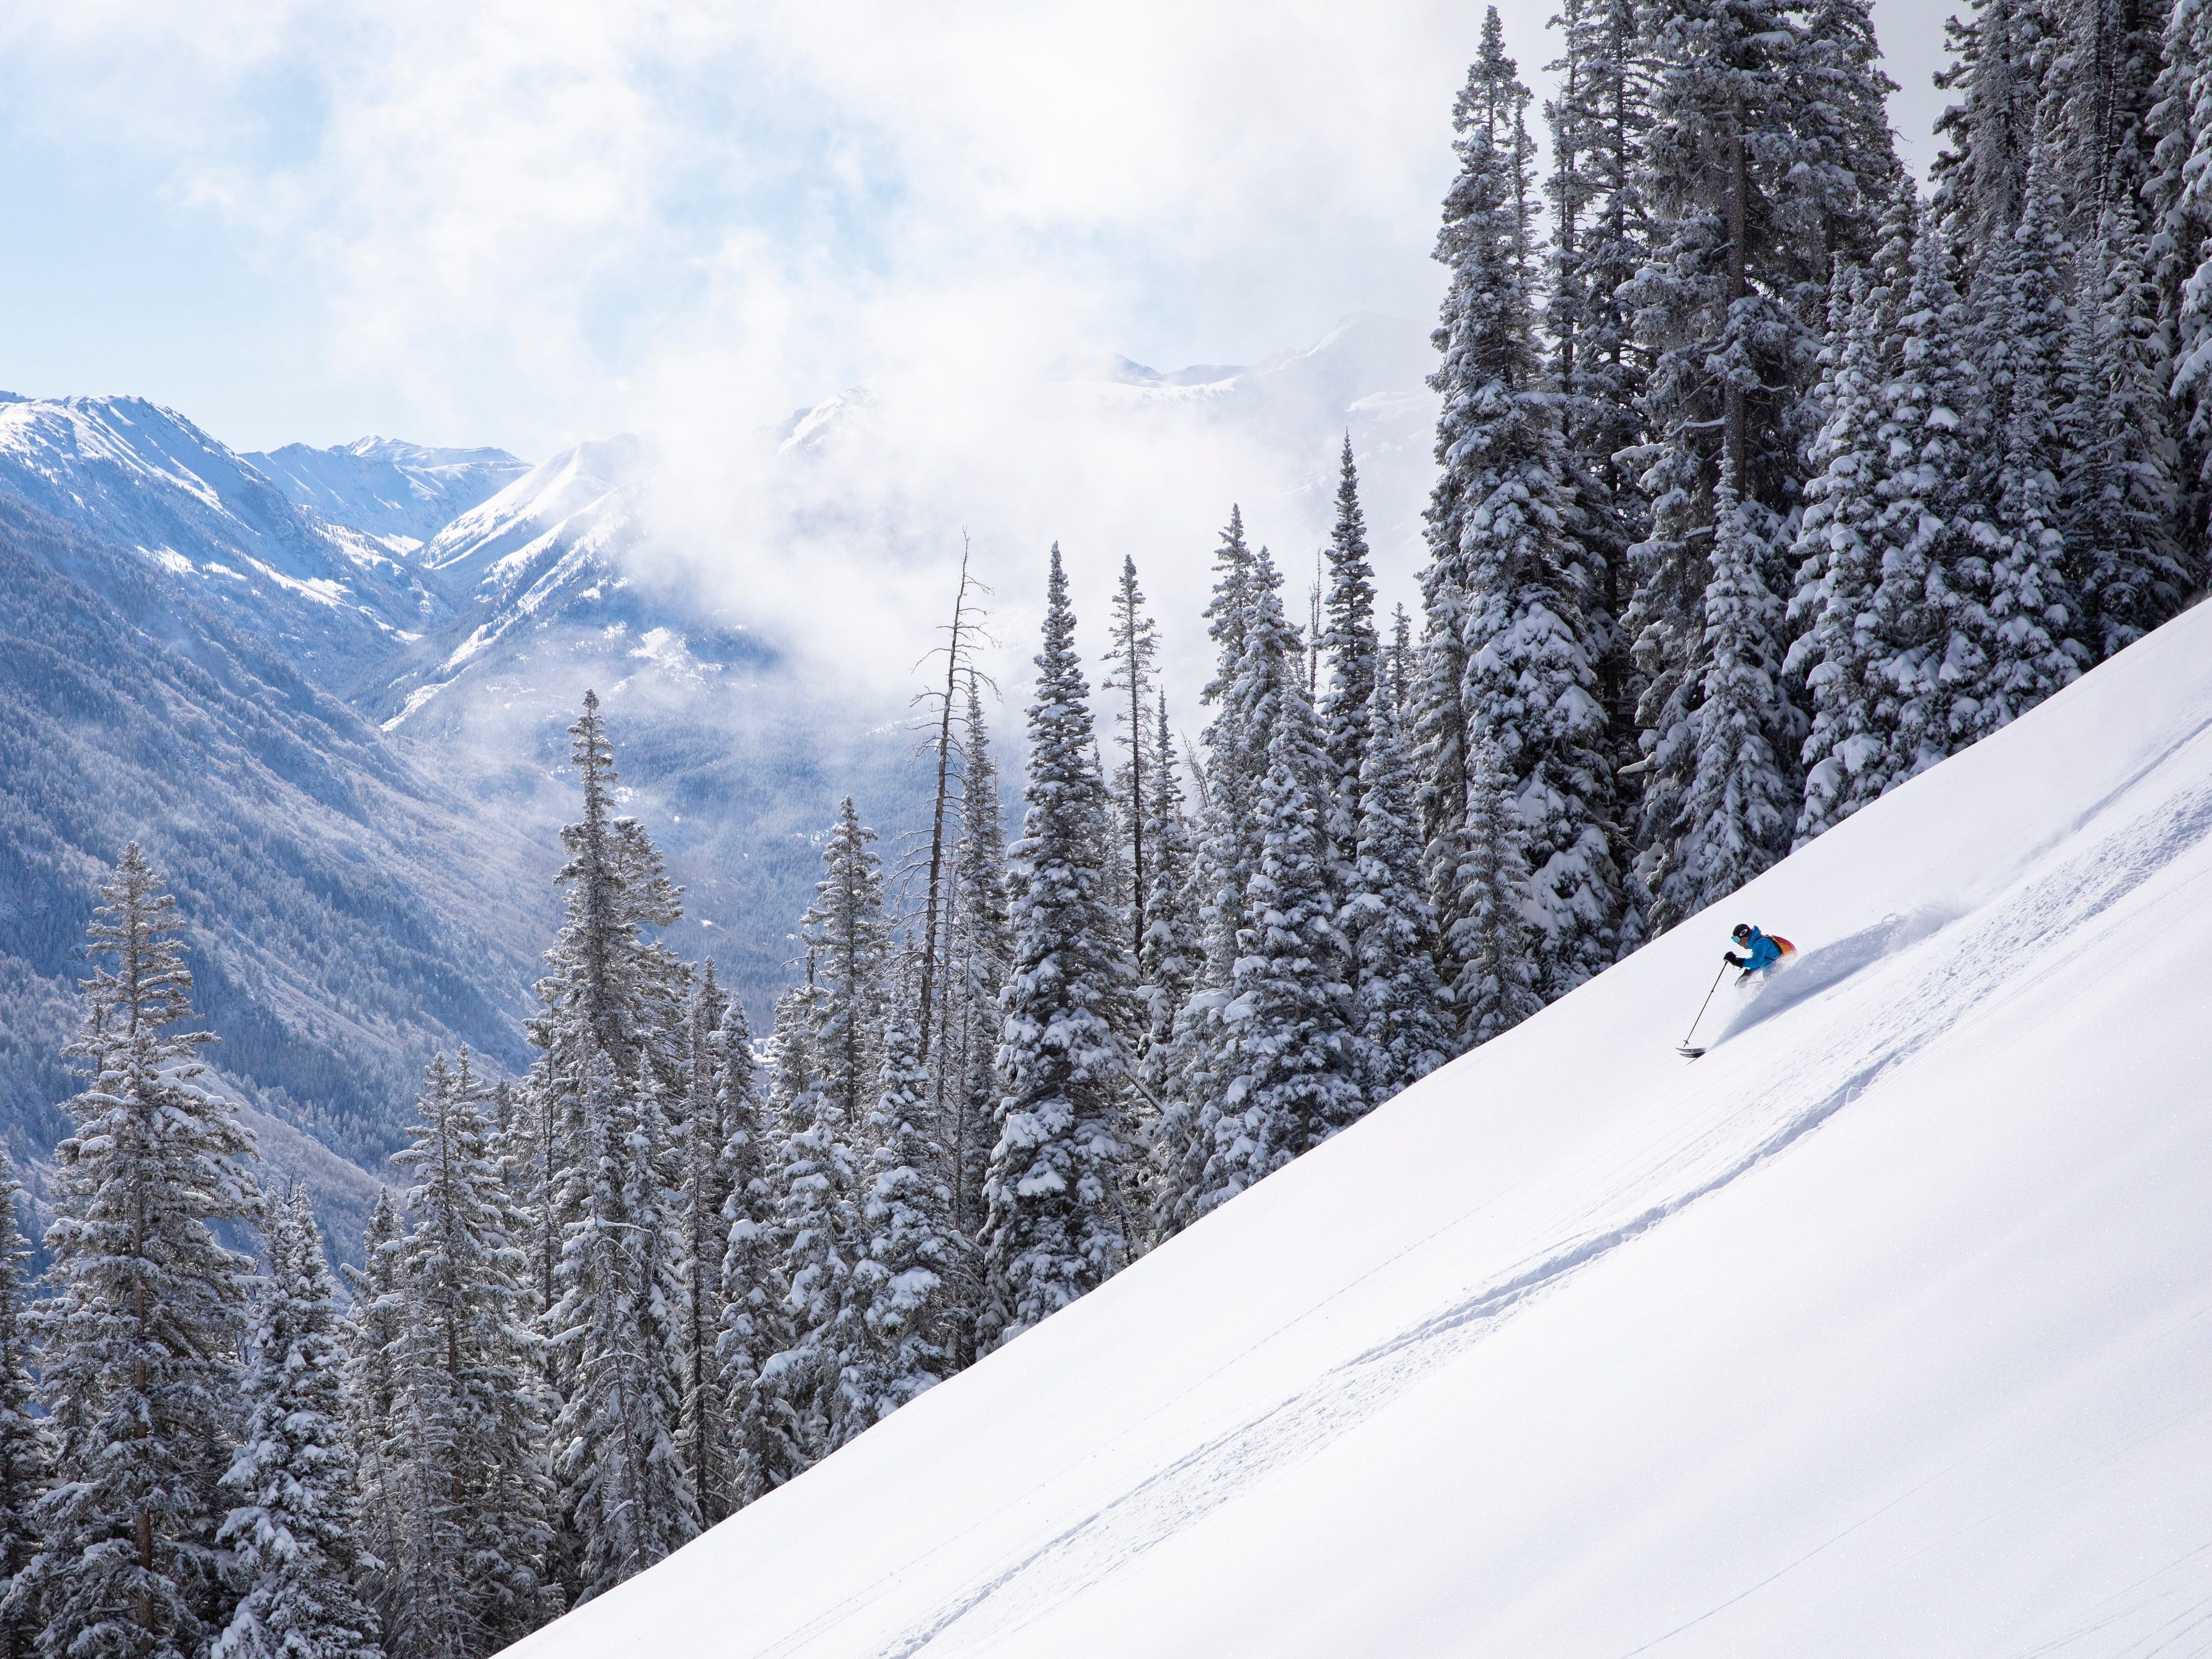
(403, 494)
(1882, 1329)
(145, 478)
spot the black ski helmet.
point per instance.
(1742, 934)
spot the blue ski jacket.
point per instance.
(1761, 954)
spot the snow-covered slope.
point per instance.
(1884, 1328)
(387, 488)
(142, 477)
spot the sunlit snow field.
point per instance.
(1884, 1328)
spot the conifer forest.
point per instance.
(1767, 477)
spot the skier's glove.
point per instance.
(1734, 960)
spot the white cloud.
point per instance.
(534, 221)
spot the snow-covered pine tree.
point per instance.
(1741, 805)
(1347, 707)
(615, 1323)
(1506, 582)
(1172, 954)
(2097, 97)
(139, 1336)
(2121, 500)
(754, 1318)
(1932, 575)
(1767, 159)
(815, 1184)
(1135, 647)
(26, 1454)
(291, 1533)
(1998, 60)
(1497, 987)
(2031, 621)
(704, 1237)
(606, 978)
(1600, 240)
(430, 1606)
(848, 939)
(2180, 191)
(372, 1328)
(964, 1087)
(1299, 1070)
(901, 1281)
(1056, 1226)
(462, 1270)
(1111, 855)
(1838, 654)
(1401, 664)
(1405, 1016)
(1193, 1074)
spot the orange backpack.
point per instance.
(1788, 949)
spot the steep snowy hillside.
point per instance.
(337, 603)
(397, 492)
(1883, 1329)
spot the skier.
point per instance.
(1761, 952)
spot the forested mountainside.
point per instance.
(346, 916)
(365, 897)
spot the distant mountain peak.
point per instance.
(399, 493)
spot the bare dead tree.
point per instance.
(962, 636)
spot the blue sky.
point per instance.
(521, 223)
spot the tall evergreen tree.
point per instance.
(1169, 960)
(816, 1185)
(901, 1281)
(1999, 57)
(1298, 1051)
(461, 1271)
(755, 1319)
(1767, 159)
(432, 1610)
(1056, 1226)
(2030, 620)
(610, 987)
(1600, 240)
(1347, 707)
(292, 1532)
(1507, 584)
(1135, 647)
(849, 938)
(2181, 190)
(613, 1326)
(139, 1339)
(1932, 574)
(25, 1453)
(1194, 1073)
(372, 1331)
(1402, 671)
(1497, 987)
(2121, 503)
(702, 1197)
(965, 1085)
(1742, 806)
(1841, 657)
(1405, 1016)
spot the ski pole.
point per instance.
(1702, 1007)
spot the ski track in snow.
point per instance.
(1901, 985)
